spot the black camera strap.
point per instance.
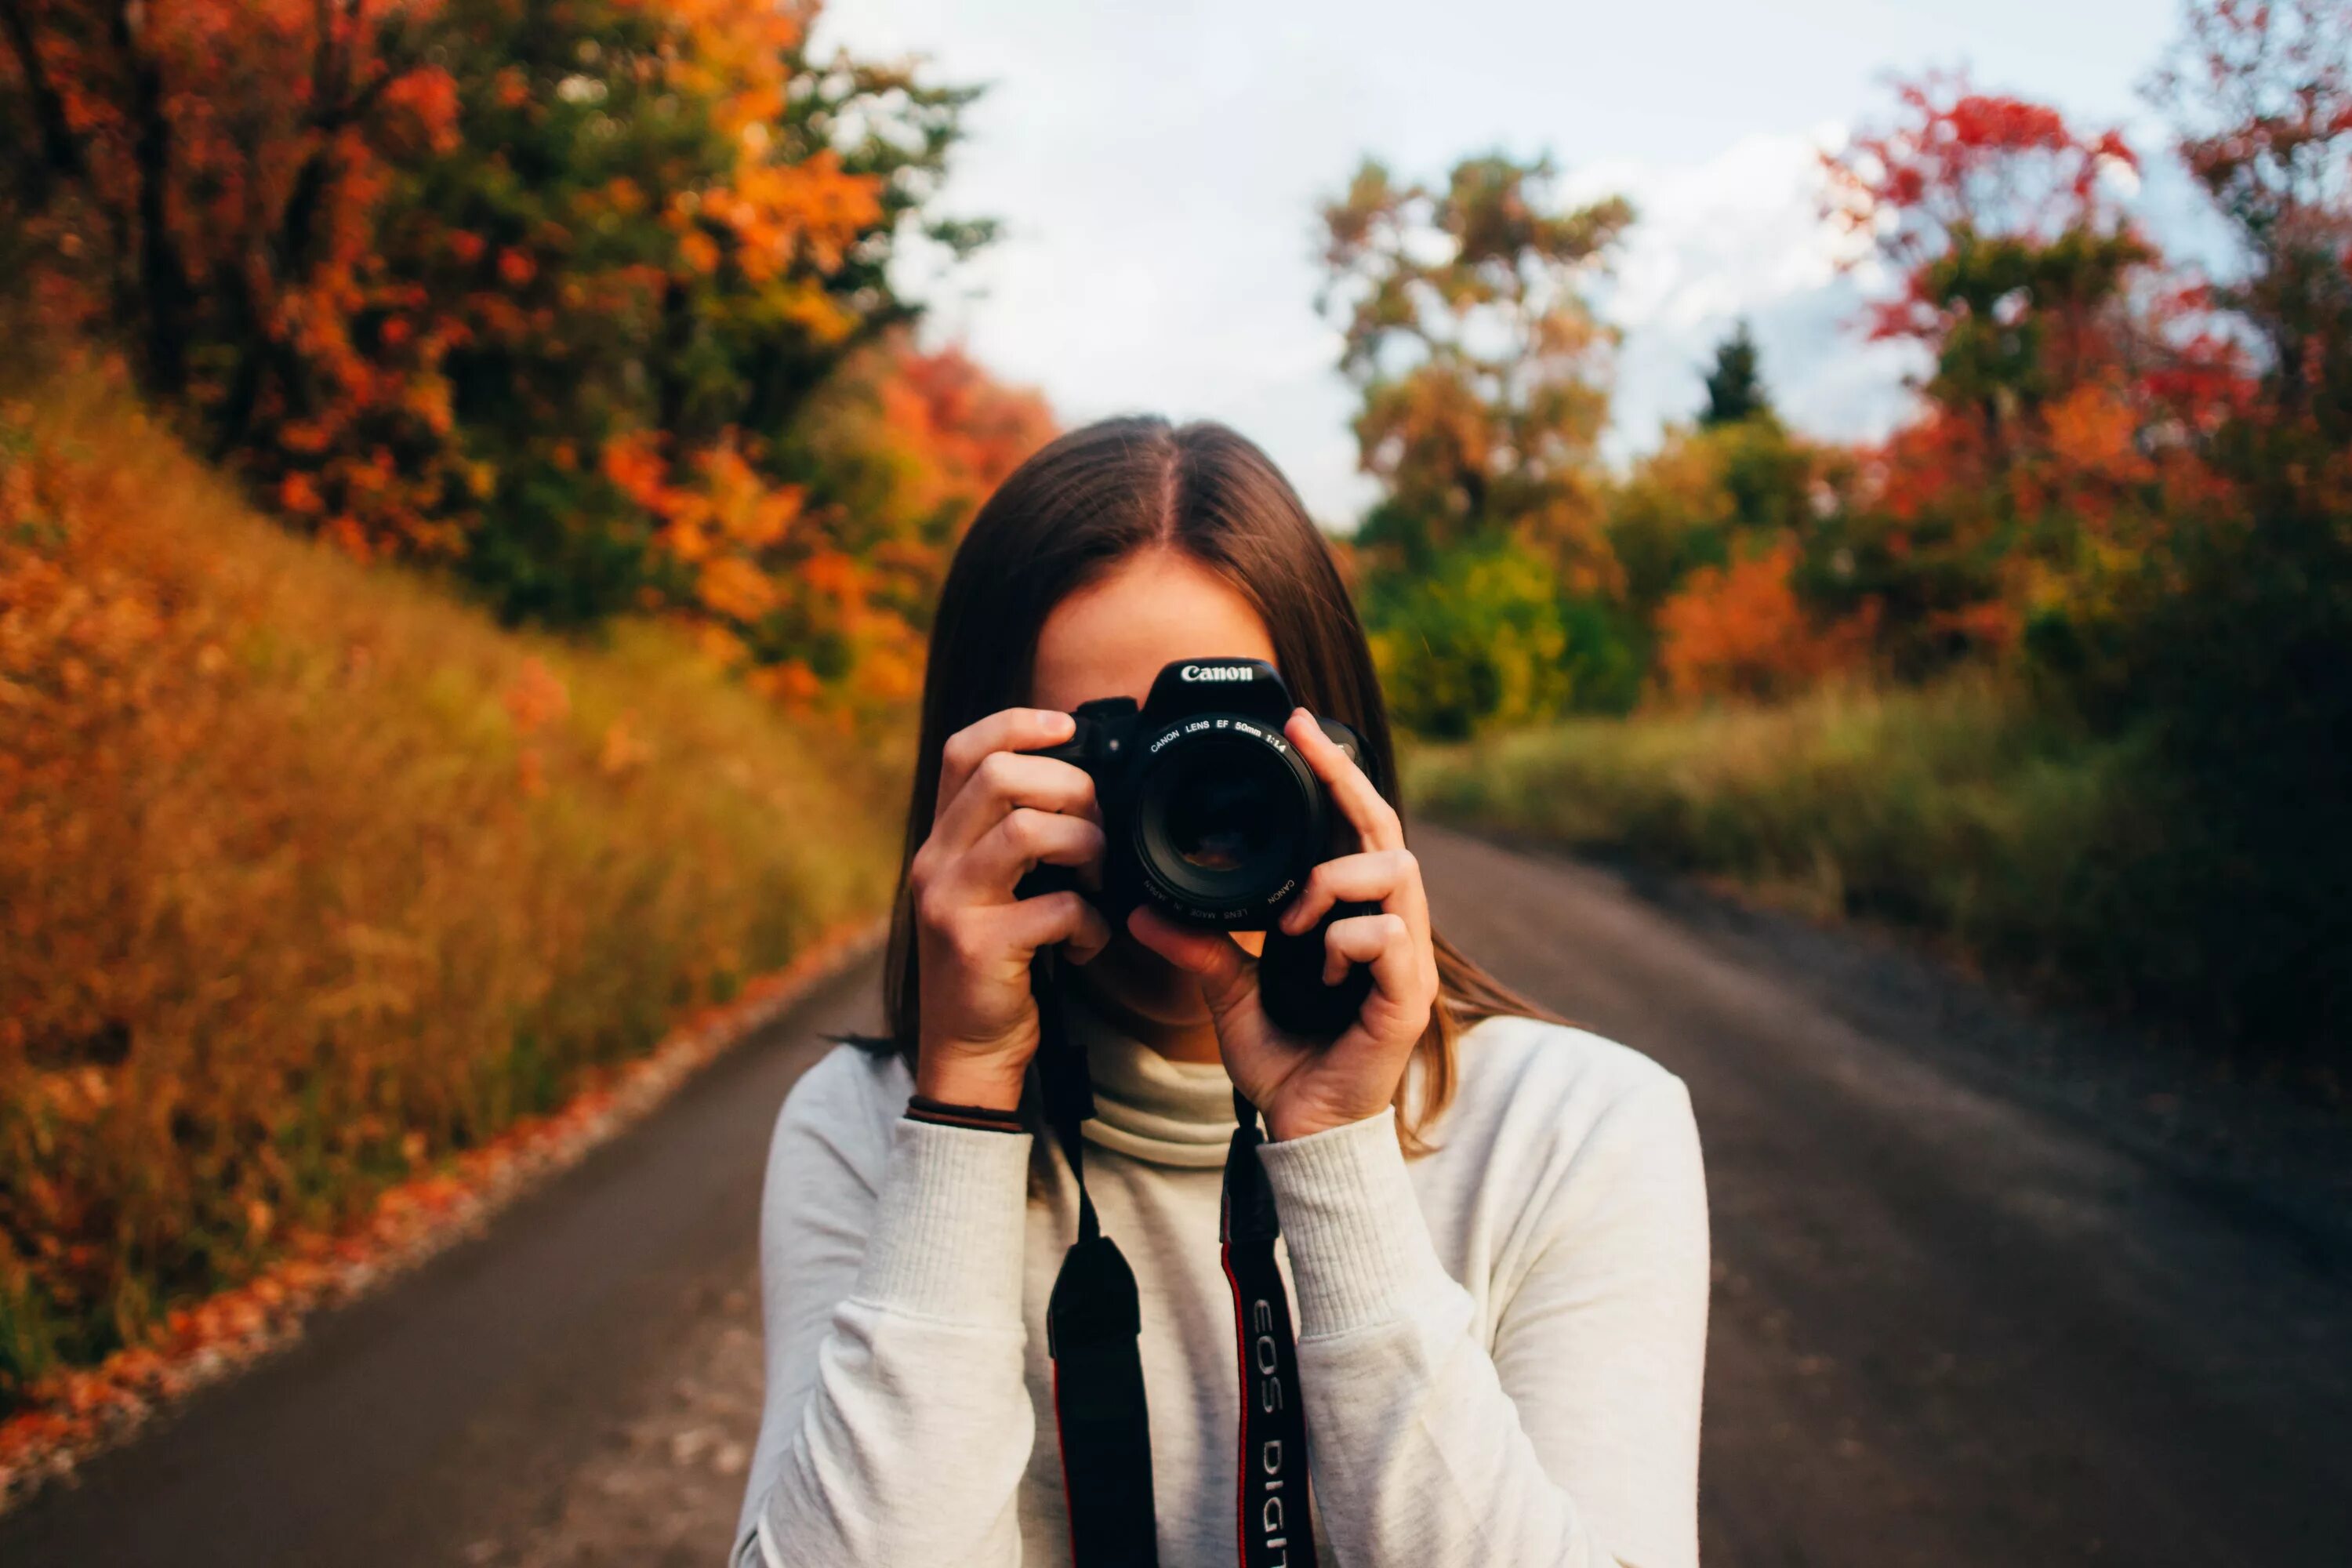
(1271, 1490)
(1093, 1326)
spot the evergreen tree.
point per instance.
(1735, 390)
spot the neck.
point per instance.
(1187, 1041)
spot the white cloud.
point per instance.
(1740, 234)
(1158, 169)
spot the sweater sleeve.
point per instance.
(1575, 1441)
(896, 1425)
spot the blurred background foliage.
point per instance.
(2061, 668)
(566, 316)
(471, 496)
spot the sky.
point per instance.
(1157, 169)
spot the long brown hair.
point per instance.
(1059, 523)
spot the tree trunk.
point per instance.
(165, 293)
(61, 156)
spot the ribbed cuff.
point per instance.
(1360, 1250)
(948, 1234)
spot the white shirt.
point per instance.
(1500, 1343)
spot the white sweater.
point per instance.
(1500, 1344)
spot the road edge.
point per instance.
(72, 1416)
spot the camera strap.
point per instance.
(1271, 1486)
(1093, 1324)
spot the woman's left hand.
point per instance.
(1301, 1086)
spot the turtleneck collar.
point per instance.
(1146, 1106)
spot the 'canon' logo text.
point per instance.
(1217, 672)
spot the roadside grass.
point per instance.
(1959, 810)
(311, 877)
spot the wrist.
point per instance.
(1287, 1124)
(985, 1085)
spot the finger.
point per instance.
(1381, 941)
(1007, 781)
(1022, 839)
(1008, 730)
(1212, 957)
(1389, 877)
(1374, 819)
(1065, 917)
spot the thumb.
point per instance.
(1212, 957)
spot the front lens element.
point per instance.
(1218, 824)
(1221, 821)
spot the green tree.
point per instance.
(1487, 638)
(1735, 386)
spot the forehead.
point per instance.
(1112, 636)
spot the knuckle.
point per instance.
(1026, 830)
(996, 771)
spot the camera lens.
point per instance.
(1221, 821)
(1218, 824)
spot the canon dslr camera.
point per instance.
(1212, 817)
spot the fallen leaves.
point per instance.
(73, 1414)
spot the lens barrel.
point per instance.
(1227, 819)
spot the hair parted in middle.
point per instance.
(1060, 522)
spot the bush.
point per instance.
(1960, 809)
(309, 876)
(1486, 638)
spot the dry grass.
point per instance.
(1956, 809)
(309, 876)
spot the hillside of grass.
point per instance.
(311, 875)
(1959, 810)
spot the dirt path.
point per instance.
(1976, 1303)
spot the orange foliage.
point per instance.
(431, 272)
(308, 877)
(1741, 632)
(64, 1416)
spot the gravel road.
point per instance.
(1989, 1290)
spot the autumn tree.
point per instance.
(2227, 650)
(1481, 373)
(2262, 99)
(1711, 495)
(2019, 271)
(536, 291)
(185, 170)
(1481, 367)
(2005, 228)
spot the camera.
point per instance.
(1212, 817)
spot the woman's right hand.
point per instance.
(1000, 813)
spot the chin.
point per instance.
(1131, 977)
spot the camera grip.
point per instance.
(1290, 980)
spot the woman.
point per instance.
(1496, 1225)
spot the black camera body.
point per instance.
(1212, 817)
